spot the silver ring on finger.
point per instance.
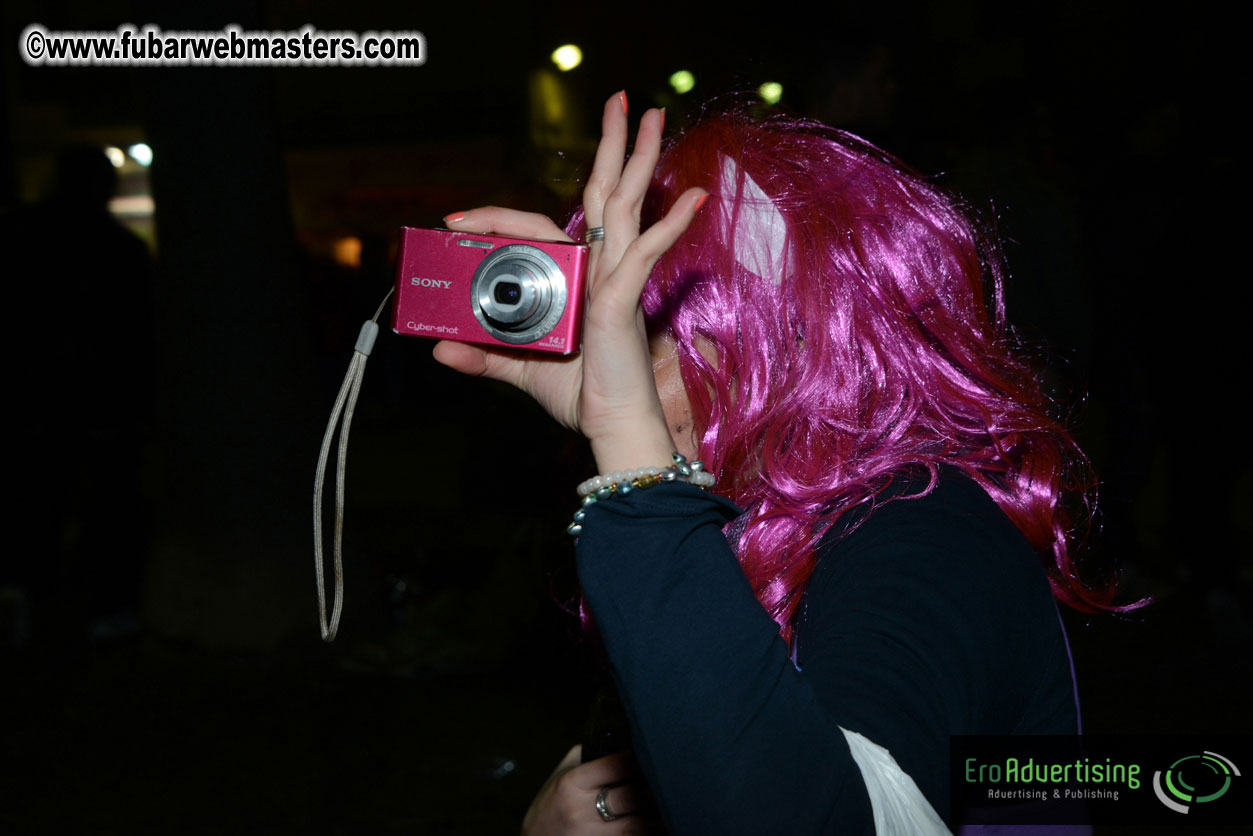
(602, 806)
(594, 233)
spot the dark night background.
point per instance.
(159, 658)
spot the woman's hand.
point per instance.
(566, 805)
(607, 392)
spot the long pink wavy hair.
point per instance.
(871, 349)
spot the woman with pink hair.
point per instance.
(874, 566)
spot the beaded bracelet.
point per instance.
(622, 482)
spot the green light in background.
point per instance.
(682, 81)
(770, 92)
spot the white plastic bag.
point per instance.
(900, 808)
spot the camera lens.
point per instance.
(508, 293)
(518, 293)
(512, 295)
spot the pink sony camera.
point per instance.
(491, 290)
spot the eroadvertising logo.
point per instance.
(1107, 780)
(1194, 779)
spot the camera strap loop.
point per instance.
(345, 403)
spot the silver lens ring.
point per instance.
(518, 294)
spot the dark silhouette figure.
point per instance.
(82, 314)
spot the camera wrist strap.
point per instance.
(345, 403)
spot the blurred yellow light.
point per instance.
(549, 96)
(682, 81)
(770, 92)
(347, 251)
(116, 156)
(133, 206)
(567, 57)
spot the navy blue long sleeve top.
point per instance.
(931, 618)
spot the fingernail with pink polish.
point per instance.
(700, 201)
(454, 217)
(623, 101)
(663, 118)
